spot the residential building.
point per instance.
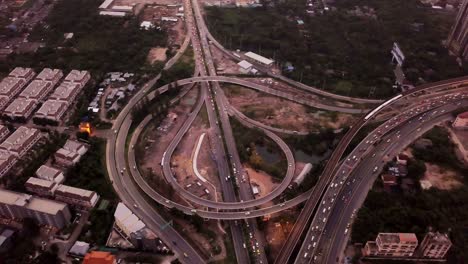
(435, 245)
(126, 221)
(51, 174)
(37, 90)
(52, 110)
(461, 122)
(99, 257)
(26, 74)
(52, 76)
(4, 100)
(11, 86)
(3, 132)
(18, 206)
(41, 187)
(20, 108)
(392, 245)
(76, 196)
(20, 141)
(66, 91)
(70, 153)
(7, 160)
(457, 41)
(79, 77)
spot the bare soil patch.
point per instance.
(262, 180)
(442, 178)
(157, 54)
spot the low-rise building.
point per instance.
(461, 122)
(126, 221)
(258, 58)
(20, 141)
(51, 174)
(52, 76)
(435, 245)
(20, 109)
(244, 66)
(41, 187)
(7, 160)
(70, 153)
(11, 86)
(76, 196)
(392, 245)
(99, 257)
(26, 74)
(52, 110)
(79, 77)
(6, 240)
(17, 206)
(66, 92)
(3, 101)
(80, 248)
(37, 90)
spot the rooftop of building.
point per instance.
(35, 88)
(463, 115)
(76, 191)
(259, 58)
(7, 84)
(30, 202)
(126, 217)
(19, 137)
(76, 76)
(48, 74)
(51, 108)
(5, 156)
(20, 106)
(99, 257)
(391, 238)
(21, 72)
(67, 153)
(245, 64)
(73, 145)
(47, 172)
(41, 182)
(438, 237)
(64, 90)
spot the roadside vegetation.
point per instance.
(418, 210)
(347, 50)
(248, 143)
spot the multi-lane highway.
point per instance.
(331, 166)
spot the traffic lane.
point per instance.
(355, 203)
(354, 157)
(182, 246)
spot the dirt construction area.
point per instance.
(263, 181)
(157, 54)
(281, 113)
(442, 178)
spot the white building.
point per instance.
(52, 110)
(20, 108)
(76, 196)
(244, 66)
(20, 141)
(126, 220)
(259, 58)
(7, 160)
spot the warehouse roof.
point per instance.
(259, 58)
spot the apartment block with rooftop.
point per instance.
(66, 92)
(51, 76)
(435, 245)
(51, 174)
(37, 90)
(79, 77)
(70, 153)
(392, 245)
(41, 187)
(76, 196)
(10, 87)
(26, 74)
(21, 141)
(17, 206)
(20, 109)
(7, 161)
(52, 110)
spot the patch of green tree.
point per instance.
(100, 43)
(339, 51)
(417, 211)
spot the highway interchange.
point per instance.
(325, 213)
